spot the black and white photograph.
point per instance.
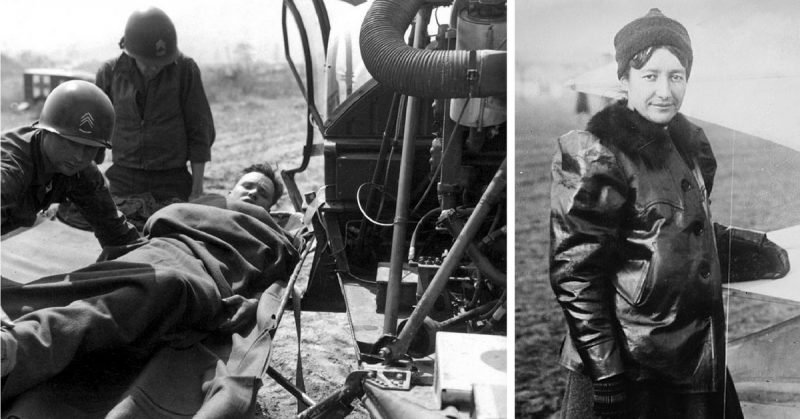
(306, 209)
(657, 152)
(264, 209)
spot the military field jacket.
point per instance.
(27, 188)
(634, 262)
(173, 125)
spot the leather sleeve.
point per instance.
(89, 192)
(588, 198)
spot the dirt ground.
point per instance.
(328, 358)
(754, 188)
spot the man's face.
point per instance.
(254, 188)
(656, 90)
(67, 156)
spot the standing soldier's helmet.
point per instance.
(150, 37)
(79, 111)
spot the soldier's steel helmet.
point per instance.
(150, 37)
(79, 111)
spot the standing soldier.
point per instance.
(54, 159)
(163, 116)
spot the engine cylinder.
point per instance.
(480, 31)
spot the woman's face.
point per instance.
(656, 90)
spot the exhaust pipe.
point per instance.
(425, 73)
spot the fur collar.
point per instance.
(624, 129)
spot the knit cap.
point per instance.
(650, 30)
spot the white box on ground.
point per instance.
(490, 401)
(464, 360)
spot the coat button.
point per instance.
(705, 270)
(686, 185)
(698, 228)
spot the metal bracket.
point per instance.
(390, 377)
(340, 403)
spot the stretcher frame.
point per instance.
(52, 247)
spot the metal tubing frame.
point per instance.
(403, 194)
(308, 92)
(291, 388)
(493, 192)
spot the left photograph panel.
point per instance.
(290, 209)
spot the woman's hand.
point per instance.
(241, 312)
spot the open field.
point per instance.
(756, 187)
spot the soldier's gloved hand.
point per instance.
(773, 260)
(611, 397)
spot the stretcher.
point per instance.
(217, 377)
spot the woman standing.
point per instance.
(634, 261)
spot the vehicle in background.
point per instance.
(39, 82)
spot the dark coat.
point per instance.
(28, 187)
(161, 123)
(634, 260)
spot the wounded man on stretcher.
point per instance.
(198, 270)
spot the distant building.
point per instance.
(39, 82)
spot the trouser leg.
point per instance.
(651, 401)
(115, 304)
(577, 401)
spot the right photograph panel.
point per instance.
(658, 209)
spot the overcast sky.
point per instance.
(81, 30)
(575, 31)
